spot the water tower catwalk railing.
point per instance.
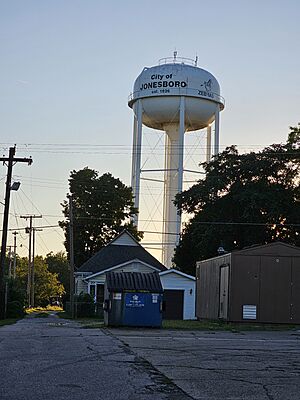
(149, 104)
(178, 60)
(183, 92)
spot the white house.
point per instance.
(125, 254)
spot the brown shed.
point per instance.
(259, 283)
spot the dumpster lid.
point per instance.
(137, 281)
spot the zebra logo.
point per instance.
(208, 85)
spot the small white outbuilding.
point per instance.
(179, 294)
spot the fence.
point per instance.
(85, 309)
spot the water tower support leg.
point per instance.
(180, 159)
(217, 132)
(174, 150)
(136, 156)
(208, 143)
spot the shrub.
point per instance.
(15, 309)
(84, 305)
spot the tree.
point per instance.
(102, 208)
(58, 264)
(245, 199)
(46, 285)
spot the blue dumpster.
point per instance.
(133, 299)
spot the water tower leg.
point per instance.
(208, 143)
(174, 150)
(136, 155)
(180, 160)
(217, 131)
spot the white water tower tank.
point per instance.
(175, 96)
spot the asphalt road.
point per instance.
(50, 358)
(223, 365)
(54, 359)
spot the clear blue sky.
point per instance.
(67, 68)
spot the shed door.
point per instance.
(173, 304)
(275, 289)
(223, 299)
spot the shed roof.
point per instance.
(137, 281)
(175, 271)
(273, 249)
(279, 248)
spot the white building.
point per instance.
(125, 254)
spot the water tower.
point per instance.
(174, 96)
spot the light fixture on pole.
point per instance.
(15, 186)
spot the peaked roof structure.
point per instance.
(124, 248)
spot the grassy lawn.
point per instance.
(224, 326)
(41, 315)
(42, 312)
(63, 314)
(88, 322)
(93, 323)
(8, 321)
(42, 309)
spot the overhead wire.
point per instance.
(37, 209)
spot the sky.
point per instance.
(68, 66)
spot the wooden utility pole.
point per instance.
(15, 233)
(9, 261)
(10, 160)
(29, 277)
(32, 265)
(71, 255)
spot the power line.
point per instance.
(159, 221)
(42, 227)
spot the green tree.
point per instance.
(58, 264)
(245, 199)
(102, 208)
(46, 285)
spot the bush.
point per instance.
(15, 309)
(15, 299)
(84, 305)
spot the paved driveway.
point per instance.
(221, 365)
(54, 359)
(49, 358)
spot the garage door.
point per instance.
(173, 304)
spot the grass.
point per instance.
(192, 325)
(63, 314)
(8, 321)
(42, 312)
(42, 309)
(88, 322)
(41, 315)
(91, 323)
(224, 326)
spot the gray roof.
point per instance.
(137, 281)
(113, 255)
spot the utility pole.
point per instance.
(29, 277)
(10, 160)
(32, 264)
(71, 255)
(15, 233)
(9, 261)
(6, 283)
